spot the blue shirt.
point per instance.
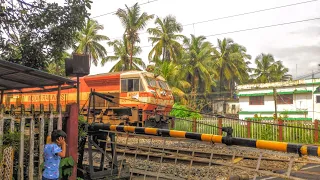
(51, 161)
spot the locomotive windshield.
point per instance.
(163, 85)
(151, 82)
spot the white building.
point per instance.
(296, 100)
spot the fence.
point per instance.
(276, 130)
(22, 137)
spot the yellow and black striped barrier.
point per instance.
(228, 140)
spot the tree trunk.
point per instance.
(220, 81)
(57, 69)
(195, 85)
(231, 87)
(131, 54)
(163, 53)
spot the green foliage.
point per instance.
(182, 111)
(269, 70)
(81, 127)
(37, 33)
(12, 139)
(66, 167)
(57, 67)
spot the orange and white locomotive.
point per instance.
(140, 98)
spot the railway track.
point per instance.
(174, 156)
(149, 158)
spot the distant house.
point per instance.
(296, 100)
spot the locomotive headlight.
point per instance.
(163, 93)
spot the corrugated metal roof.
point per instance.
(15, 76)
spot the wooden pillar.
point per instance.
(172, 123)
(194, 125)
(248, 129)
(72, 136)
(316, 131)
(275, 103)
(220, 126)
(58, 98)
(280, 125)
(59, 110)
(78, 92)
(1, 97)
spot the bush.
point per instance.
(182, 111)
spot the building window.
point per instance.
(130, 85)
(285, 99)
(256, 100)
(318, 99)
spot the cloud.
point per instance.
(307, 32)
(300, 60)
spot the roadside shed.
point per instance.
(16, 77)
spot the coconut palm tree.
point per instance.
(197, 67)
(133, 21)
(171, 72)
(231, 63)
(264, 69)
(280, 73)
(122, 55)
(165, 39)
(88, 41)
(269, 70)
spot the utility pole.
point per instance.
(275, 102)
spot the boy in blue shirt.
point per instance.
(52, 155)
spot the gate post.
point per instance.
(220, 126)
(248, 129)
(72, 136)
(172, 123)
(316, 131)
(280, 125)
(194, 125)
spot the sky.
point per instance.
(297, 45)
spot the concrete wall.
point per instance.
(231, 107)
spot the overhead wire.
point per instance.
(113, 12)
(240, 14)
(255, 28)
(252, 12)
(307, 75)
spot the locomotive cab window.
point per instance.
(130, 85)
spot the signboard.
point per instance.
(42, 98)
